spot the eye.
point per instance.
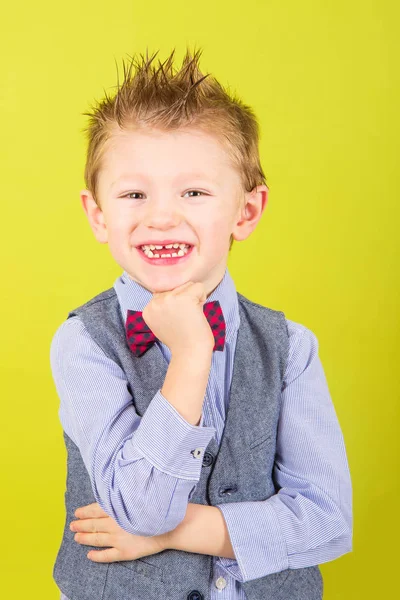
(197, 191)
(130, 194)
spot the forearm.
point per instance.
(186, 382)
(203, 530)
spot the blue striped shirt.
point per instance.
(143, 477)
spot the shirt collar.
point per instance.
(132, 295)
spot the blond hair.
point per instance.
(167, 99)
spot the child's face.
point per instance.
(144, 196)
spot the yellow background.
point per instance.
(323, 78)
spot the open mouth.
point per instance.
(164, 256)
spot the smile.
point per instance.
(166, 257)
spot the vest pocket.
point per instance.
(143, 581)
(260, 441)
(143, 568)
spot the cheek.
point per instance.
(216, 235)
(120, 235)
(120, 225)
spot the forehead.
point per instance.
(168, 155)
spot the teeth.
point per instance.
(176, 245)
(183, 249)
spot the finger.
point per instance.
(92, 525)
(93, 539)
(172, 291)
(104, 556)
(182, 287)
(90, 511)
(196, 290)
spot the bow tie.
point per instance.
(140, 337)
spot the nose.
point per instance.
(162, 215)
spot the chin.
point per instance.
(164, 287)
(159, 285)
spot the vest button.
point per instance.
(208, 459)
(227, 491)
(195, 595)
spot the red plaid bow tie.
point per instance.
(140, 337)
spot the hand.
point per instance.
(95, 528)
(176, 318)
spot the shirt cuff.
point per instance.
(257, 540)
(169, 442)
(231, 567)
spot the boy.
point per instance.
(191, 414)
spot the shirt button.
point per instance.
(197, 452)
(220, 583)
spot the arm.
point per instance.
(309, 520)
(203, 530)
(141, 468)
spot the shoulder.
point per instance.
(98, 302)
(299, 334)
(71, 339)
(268, 319)
(70, 330)
(303, 348)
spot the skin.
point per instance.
(177, 185)
(203, 530)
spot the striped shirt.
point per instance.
(309, 520)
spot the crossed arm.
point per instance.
(203, 530)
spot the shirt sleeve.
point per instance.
(309, 520)
(142, 469)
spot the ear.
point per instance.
(250, 212)
(95, 216)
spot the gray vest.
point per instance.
(238, 470)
